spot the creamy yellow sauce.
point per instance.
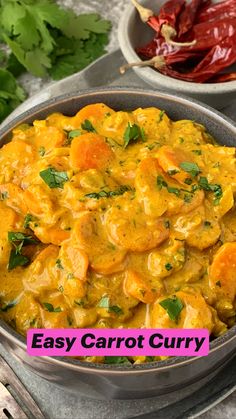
(124, 219)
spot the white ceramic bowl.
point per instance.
(133, 33)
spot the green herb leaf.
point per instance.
(168, 266)
(173, 306)
(104, 302)
(28, 219)
(161, 116)
(197, 152)
(172, 172)
(87, 126)
(41, 151)
(3, 195)
(150, 358)
(49, 307)
(53, 178)
(58, 264)
(109, 194)
(116, 360)
(161, 183)
(167, 224)
(17, 236)
(211, 187)
(207, 224)
(153, 145)
(133, 133)
(191, 168)
(16, 259)
(11, 94)
(175, 191)
(116, 309)
(8, 306)
(74, 133)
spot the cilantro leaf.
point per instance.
(133, 133)
(16, 259)
(116, 360)
(105, 303)
(49, 307)
(109, 194)
(40, 53)
(88, 126)
(74, 133)
(211, 187)
(11, 94)
(53, 178)
(191, 168)
(8, 306)
(173, 306)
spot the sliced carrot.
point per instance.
(53, 235)
(74, 260)
(38, 201)
(94, 113)
(170, 159)
(222, 275)
(18, 151)
(136, 286)
(13, 196)
(90, 151)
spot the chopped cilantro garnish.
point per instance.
(88, 126)
(173, 306)
(161, 116)
(211, 187)
(49, 307)
(190, 167)
(116, 360)
(53, 178)
(8, 306)
(28, 219)
(109, 194)
(168, 266)
(3, 195)
(197, 152)
(105, 303)
(172, 172)
(58, 264)
(41, 151)
(16, 259)
(167, 224)
(74, 133)
(133, 133)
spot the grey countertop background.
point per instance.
(87, 408)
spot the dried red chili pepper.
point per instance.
(164, 24)
(220, 56)
(208, 34)
(188, 16)
(172, 54)
(220, 10)
(223, 78)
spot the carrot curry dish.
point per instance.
(117, 219)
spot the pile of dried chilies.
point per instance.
(194, 40)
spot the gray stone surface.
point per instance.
(55, 402)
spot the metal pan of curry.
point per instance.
(117, 210)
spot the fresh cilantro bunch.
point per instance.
(48, 39)
(11, 94)
(45, 39)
